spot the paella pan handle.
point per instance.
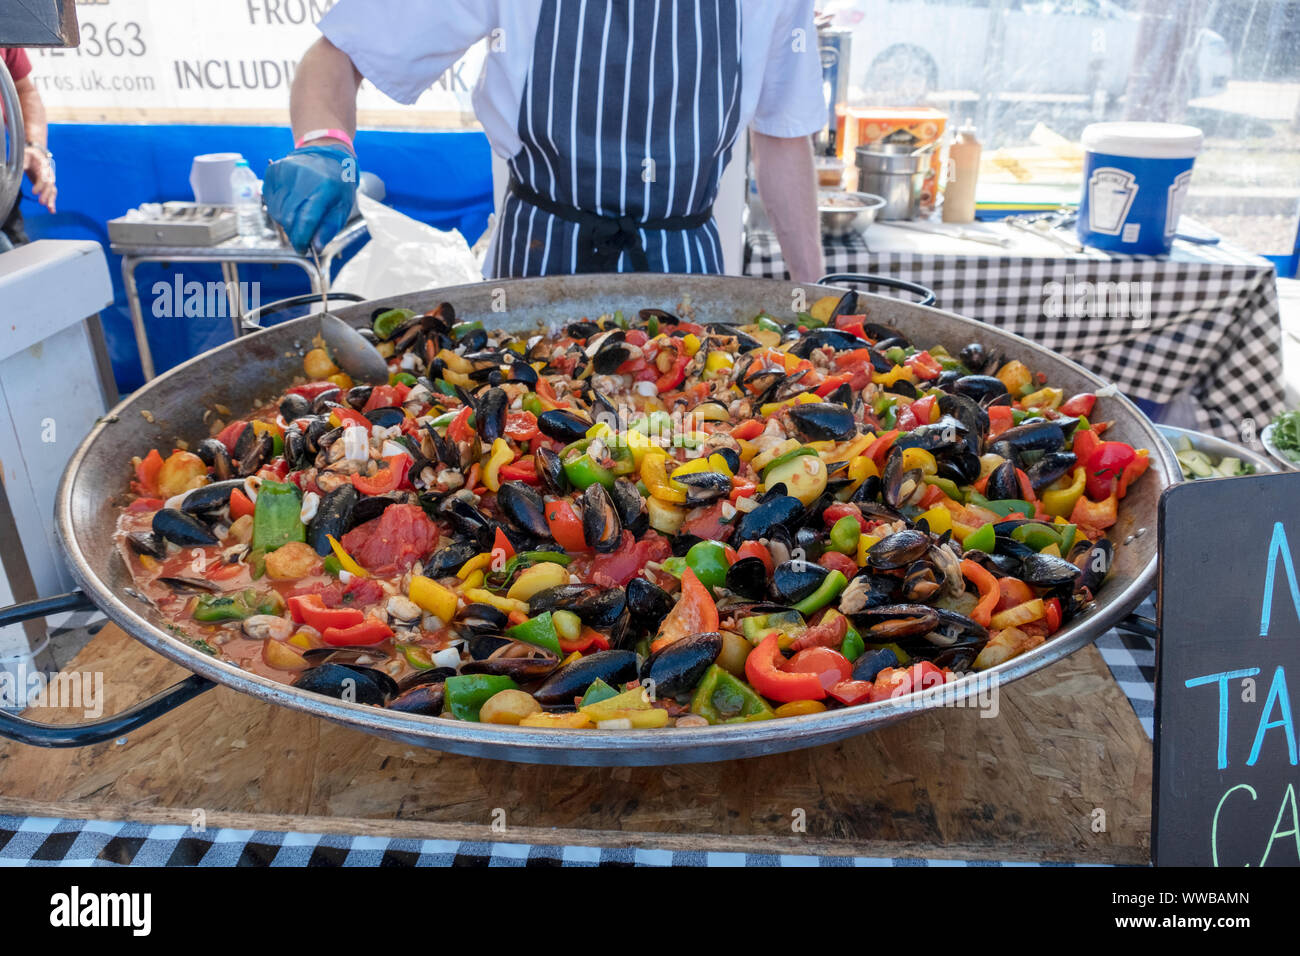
(839, 278)
(37, 734)
(1139, 625)
(252, 321)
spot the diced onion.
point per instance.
(449, 657)
(356, 443)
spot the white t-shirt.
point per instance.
(403, 46)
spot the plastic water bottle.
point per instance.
(247, 197)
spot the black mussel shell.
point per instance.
(612, 667)
(469, 521)
(823, 421)
(630, 506)
(792, 581)
(260, 452)
(703, 487)
(424, 699)
(483, 646)
(679, 666)
(563, 426)
(871, 663)
(358, 395)
(747, 578)
(599, 607)
(649, 603)
(550, 469)
(1003, 483)
(447, 561)
(523, 670)
(353, 683)
(763, 520)
(333, 517)
(370, 507)
(210, 497)
(1050, 467)
(524, 506)
(386, 417)
(811, 538)
(974, 357)
(182, 529)
(1046, 570)
(601, 526)
(147, 542)
(1097, 565)
(980, 388)
(820, 338)
(217, 457)
(898, 550)
(431, 675)
(559, 598)
(294, 406)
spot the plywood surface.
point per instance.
(1062, 773)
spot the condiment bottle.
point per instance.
(963, 174)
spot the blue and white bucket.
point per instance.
(1135, 178)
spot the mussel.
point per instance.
(425, 699)
(823, 421)
(648, 602)
(679, 666)
(550, 469)
(348, 682)
(572, 680)
(746, 577)
(1053, 465)
(563, 426)
(211, 497)
(490, 415)
(601, 527)
(523, 506)
(1046, 570)
(792, 581)
(333, 517)
(630, 506)
(898, 550)
(980, 388)
(182, 529)
(1003, 483)
(760, 523)
(217, 457)
(704, 487)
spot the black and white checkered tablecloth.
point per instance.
(1212, 333)
(50, 841)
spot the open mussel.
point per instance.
(260, 452)
(900, 486)
(447, 561)
(522, 663)
(217, 457)
(867, 590)
(469, 521)
(894, 621)
(679, 666)
(601, 527)
(823, 421)
(704, 487)
(147, 543)
(182, 529)
(920, 583)
(572, 680)
(423, 699)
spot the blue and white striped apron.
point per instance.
(630, 113)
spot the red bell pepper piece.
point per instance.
(752, 549)
(312, 390)
(385, 479)
(147, 471)
(370, 631)
(523, 469)
(879, 448)
(458, 429)
(990, 594)
(833, 382)
(565, 525)
(1084, 444)
(1000, 419)
(386, 396)
(694, 613)
(675, 375)
(1094, 516)
(851, 324)
(230, 434)
(763, 668)
(310, 609)
(923, 409)
(748, 429)
(502, 544)
(240, 505)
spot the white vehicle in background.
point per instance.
(906, 49)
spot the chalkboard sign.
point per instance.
(1228, 674)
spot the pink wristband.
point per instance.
(325, 134)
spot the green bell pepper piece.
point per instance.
(465, 694)
(387, 323)
(652, 326)
(708, 559)
(538, 631)
(235, 607)
(721, 697)
(1037, 536)
(276, 518)
(765, 321)
(896, 355)
(547, 557)
(788, 456)
(461, 329)
(947, 486)
(809, 321)
(532, 403)
(675, 566)
(445, 387)
(584, 471)
(256, 564)
(597, 692)
(402, 378)
(827, 591)
(1018, 416)
(984, 539)
(331, 564)
(853, 645)
(758, 626)
(844, 535)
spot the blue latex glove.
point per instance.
(311, 193)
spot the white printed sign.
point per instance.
(213, 61)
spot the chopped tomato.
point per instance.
(1080, 404)
(899, 681)
(1000, 419)
(747, 430)
(1106, 467)
(1134, 470)
(752, 549)
(833, 382)
(350, 416)
(851, 324)
(879, 448)
(240, 505)
(362, 592)
(1084, 444)
(1012, 592)
(394, 541)
(521, 426)
(147, 471)
(230, 434)
(839, 562)
(924, 365)
(458, 429)
(1053, 615)
(694, 613)
(565, 525)
(386, 396)
(626, 562)
(708, 524)
(852, 692)
(312, 390)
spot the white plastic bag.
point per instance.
(404, 255)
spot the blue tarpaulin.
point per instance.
(443, 178)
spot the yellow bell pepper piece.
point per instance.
(502, 454)
(862, 468)
(634, 699)
(747, 449)
(574, 721)
(823, 307)
(476, 563)
(452, 377)
(346, 561)
(474, 581)
(635, 719)
(1043, 398)
(865, 541)
(711, 463)
(939, 519)
(457, 363)
(654, 473)
(433, 597)
(690, 343)
(893, 375)
(1060, 501)
(717, 361)
(920, 458)
(303, 640)
(503, 604)
(600, 430)
(797, 708)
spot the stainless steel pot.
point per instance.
(259, 366)
(897, 174)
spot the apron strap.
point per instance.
(602, 239)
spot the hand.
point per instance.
(311, 193)
(39, 169)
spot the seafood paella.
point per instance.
(634, 521)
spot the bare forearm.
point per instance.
(34, 122)
(324, 91)
(787, 184)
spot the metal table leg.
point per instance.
(137, 316)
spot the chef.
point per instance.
(616, 118)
